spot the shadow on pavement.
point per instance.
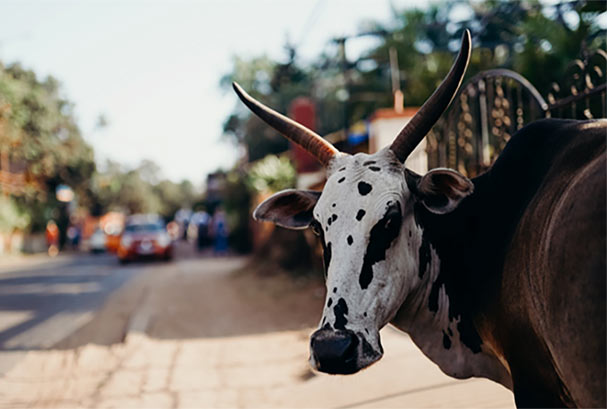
(59, 290)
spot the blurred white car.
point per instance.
(97, 241)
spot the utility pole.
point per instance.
(399, 99)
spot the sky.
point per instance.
(152, 68)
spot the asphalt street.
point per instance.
(43, 300)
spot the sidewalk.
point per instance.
(202, 338)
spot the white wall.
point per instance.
(382, 132)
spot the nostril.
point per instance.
(334, 346)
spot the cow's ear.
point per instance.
(290, 208)
(440, 190)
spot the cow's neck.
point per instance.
(436, 315)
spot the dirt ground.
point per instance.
(206, 333)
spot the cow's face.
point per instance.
(364, 218)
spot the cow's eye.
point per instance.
(393, 218)
(316, 228)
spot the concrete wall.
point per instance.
(382, 132)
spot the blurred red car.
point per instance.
(145, 237)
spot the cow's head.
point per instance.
(364, 218)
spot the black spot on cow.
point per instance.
(341, 169)
(369, 162)
(380, 239)
(461, 304)
(365, 314)
(326, 252)
(374, 168)
(341, 180)
(364, 188)
(324, 320)
(327, 326)
(424, 257)
(361, 213)
(367, 331)
(329, 302)
(334, 290)
(327, 256)
(340, 310)
(334, 204)
(410, 233)
(446, 341)
(333, 217)
(350, 240)
(329, 221)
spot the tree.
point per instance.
(40, 140)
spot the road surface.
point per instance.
(193, 334)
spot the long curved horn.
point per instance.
(304, 137)
(417, 128)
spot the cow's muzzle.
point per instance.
(335, 351)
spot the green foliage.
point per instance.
(272, 83)
(41, 130)
(237, 202)
(272, 174)
(138, 191)
(537, 40)
(11, 217)
(40, 139)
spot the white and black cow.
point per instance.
(501, 276)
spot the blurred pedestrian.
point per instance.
(201, 219)
(73, 235)
(52, 238)
(220, 230)
(173, 229)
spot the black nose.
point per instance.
(335, 352)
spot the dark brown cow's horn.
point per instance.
(306, 138)
(417, 128)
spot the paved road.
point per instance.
(43, 300)
(210, 337)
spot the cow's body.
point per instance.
(502, 276)
(522, 264)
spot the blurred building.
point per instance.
(368, 136)
(385, 124)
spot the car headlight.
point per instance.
(126, 241)
(163, 240)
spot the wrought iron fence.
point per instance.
(494, 104)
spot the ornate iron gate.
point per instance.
(494, 104)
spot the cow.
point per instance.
(501, 276)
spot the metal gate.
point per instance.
(494, 104)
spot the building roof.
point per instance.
(389, 113)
